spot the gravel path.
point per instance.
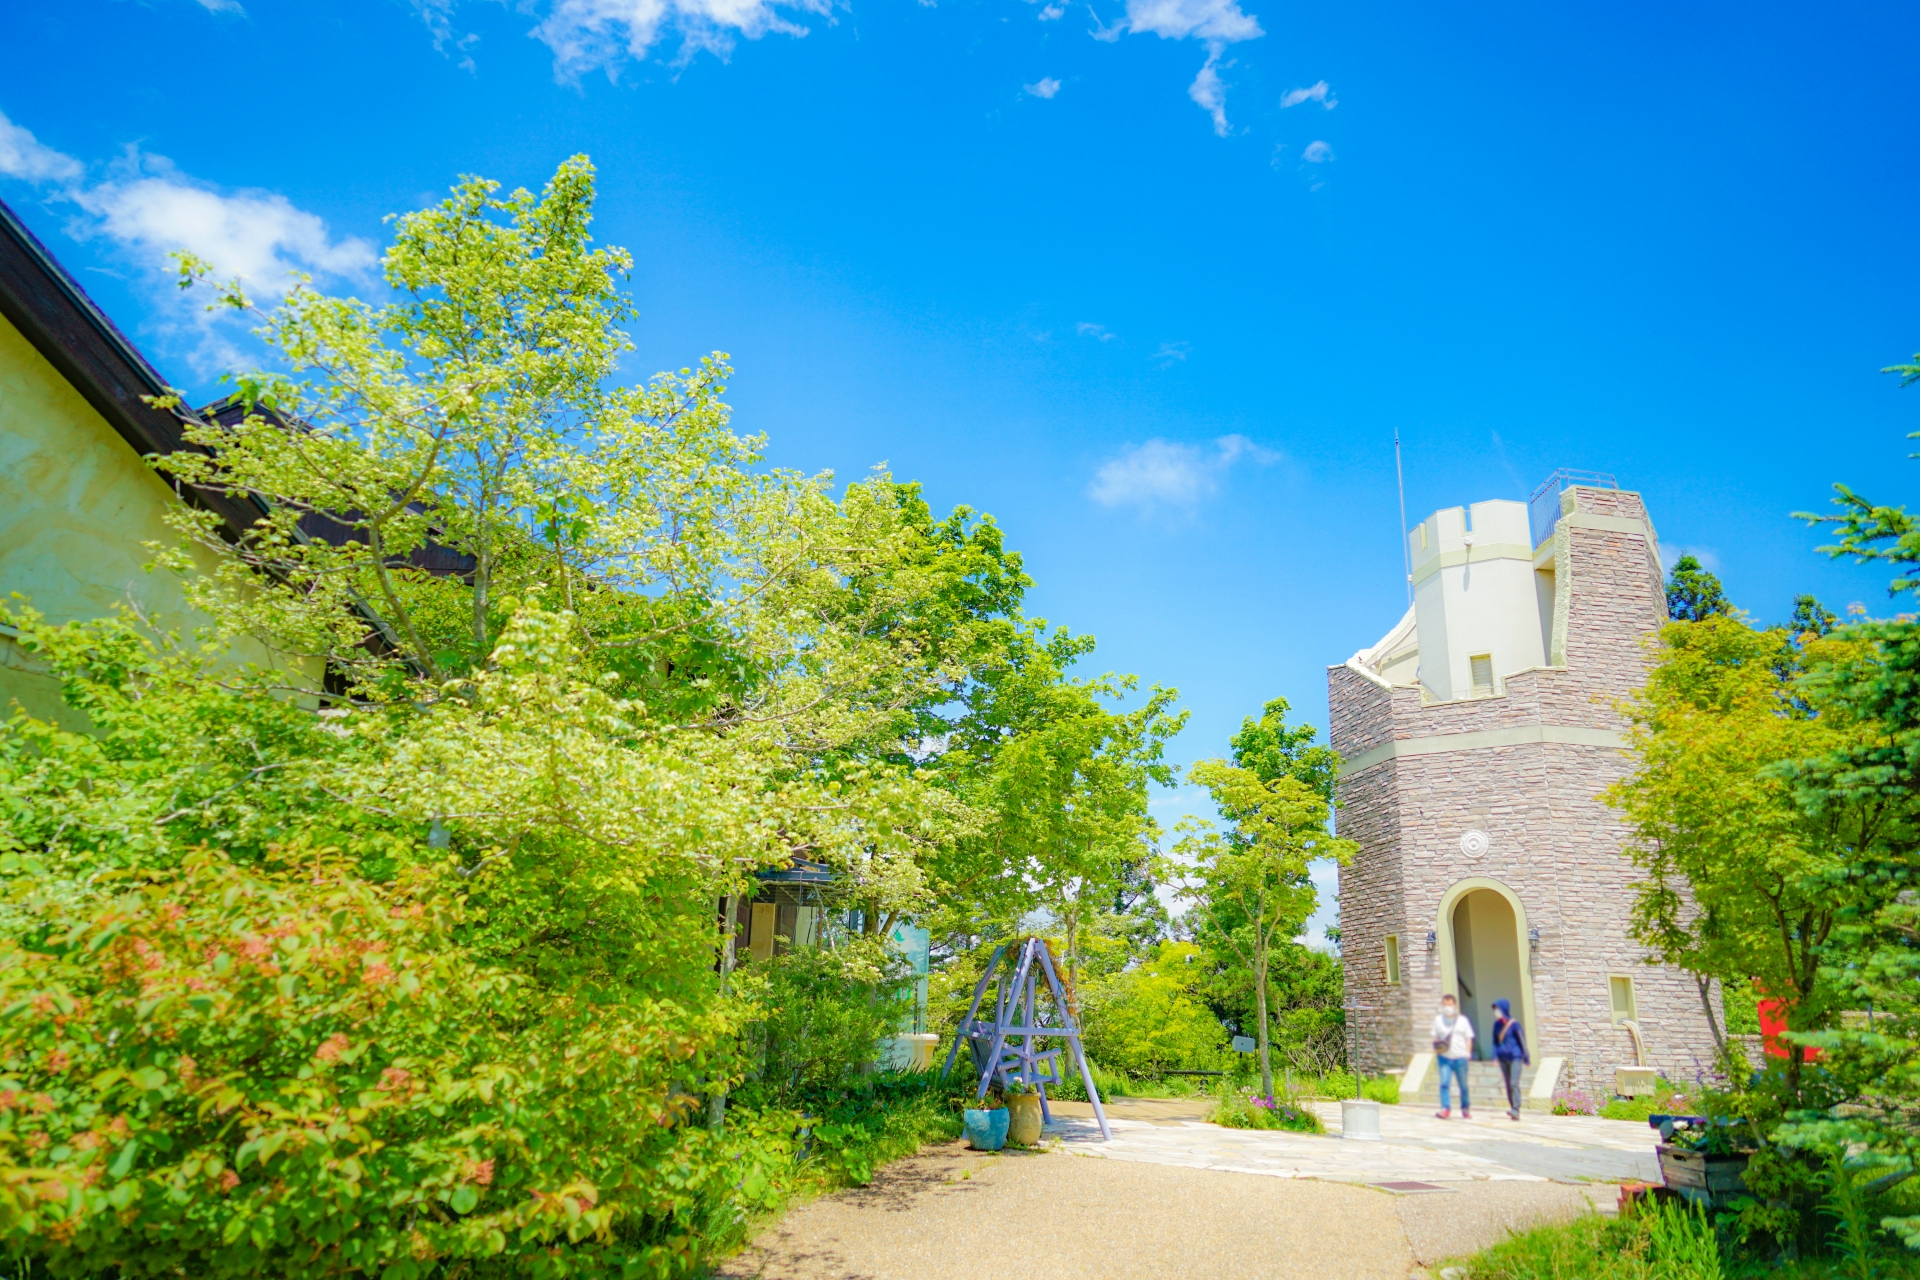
(951, 1213)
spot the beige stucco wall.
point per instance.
(77, 508)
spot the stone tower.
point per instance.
(1477, 737)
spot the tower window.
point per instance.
(1393, 959)
(1482, 664)
(1620, 992)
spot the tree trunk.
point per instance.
(1073, 965)
(717, 1101)
(1260, 1005)
(1705, 983)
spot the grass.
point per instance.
(1339, 1084)
(1665, 1100)
(1663, 1242)
(1238, 1109)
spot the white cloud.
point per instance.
(1317, 92)
(1052, 11)
(149, 209)
(1169, 352)
(24, 156)
(1045, 88)
(1162, 473)
(258, 237)
(1211, 94)
(602, 35)
(221, 6)
(1087, 329)
(1216, 21)
(1317, 153)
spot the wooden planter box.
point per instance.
(1712, 1181)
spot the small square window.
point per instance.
(1482, 664)
(1620, 992)
(1393, 959)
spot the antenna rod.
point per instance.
(1406, 553)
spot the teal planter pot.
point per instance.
(986, 1130)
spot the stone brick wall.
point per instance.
(1554, 843)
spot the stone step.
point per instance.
(1484, 1084)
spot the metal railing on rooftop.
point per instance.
(1543, 507)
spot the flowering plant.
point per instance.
(1574, 1102)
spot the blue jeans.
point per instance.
(1454, 1069)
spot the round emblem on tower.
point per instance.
(1474, 843)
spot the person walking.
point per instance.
(1510, 1049)
(1453, 1042)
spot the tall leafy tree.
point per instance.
(1739, 872)
(1257, 866)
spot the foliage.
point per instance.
(1336, 1085)
(400, 956)
(1745, 882)
(1693, 593)
(820, 1016)
(1257, 869)
(1665, 1100)
(1574, 1102)
(1237, 1109)
(1148, 1019)
(1272, 748)
(287, 1070)
(1665, 1241)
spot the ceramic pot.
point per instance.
(1023, 1123)
(986, 1130)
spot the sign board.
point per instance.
(1243, 1044)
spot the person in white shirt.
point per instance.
(1453, 1043)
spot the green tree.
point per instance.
(654, 669)
(1272, 748)
(1258, 865)
(1149, 1018)
(1874, 960)
(1694, 593)
(1740, 875)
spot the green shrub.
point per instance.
(1111, 1084)
(1235, 1109)
(1339, 1084)
(227, 1071)
(1151, 1018)
(822, 1015)
(1660, 1242)
(1664, 1100)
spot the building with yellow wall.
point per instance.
(79, 501)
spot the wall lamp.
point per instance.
(1431, 940)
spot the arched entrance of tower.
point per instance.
(1483, 957)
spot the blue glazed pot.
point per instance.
(986, 1130)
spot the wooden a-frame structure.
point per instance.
(1007, 1050)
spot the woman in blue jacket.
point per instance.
(1510, 1050)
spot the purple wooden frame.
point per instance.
(1016, 1014)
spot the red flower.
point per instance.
(332, 1047)
(394, 1078)
(483, 1173)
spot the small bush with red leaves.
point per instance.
(216, 1070)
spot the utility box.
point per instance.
(1635, 1082)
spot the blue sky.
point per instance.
(1152, 281)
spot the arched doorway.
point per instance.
(1483, 956)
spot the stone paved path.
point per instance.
(1169, 1198)
(1414, 1146)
